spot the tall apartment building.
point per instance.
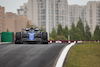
(93, 14)
(76, 11)
(41, 7)
(2, 19)
(23, 10)
(10, 21)
(58, 13)
(89, 13)
(61, 12)
(15, 23)
(20, 22)
(32, 12)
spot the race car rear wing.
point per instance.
(35, 29)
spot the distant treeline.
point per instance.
(78, 32)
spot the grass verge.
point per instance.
(86, 55)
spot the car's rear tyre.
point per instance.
(46, 42)
(18, 38)
(45, 38)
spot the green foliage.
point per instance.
(7, 30)
(87, 33)
(66, 32)
(28, 25)
(43, 29)
(59, 30)
(75, 33)
(35, 26)
(51, 38)
(53, 33)
(81, 27)
(73, 26)
(60, 37)
(97, 33)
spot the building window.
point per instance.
(25, 13)
(91, 28)
(25, 7)
(91, 6)
(90, 13)
(98, 22)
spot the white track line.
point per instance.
(5, 42)
(63, 55)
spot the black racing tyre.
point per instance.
(18, 35)
(18, 38)
(46, 42)
(44, 36)
(16, 42)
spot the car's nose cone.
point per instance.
(31, 36)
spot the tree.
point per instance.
(7, 30)
(72, 31)
(87, 32)
(51, 38)
(73, 26)
(81, 27)
(66, 31)
(59, 30)
(97, 33)
(75, 33)
(28, 25)
(43, 29)
(61, 37)
(53, 33)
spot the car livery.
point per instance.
(31, 35)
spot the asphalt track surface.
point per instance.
(29, 55)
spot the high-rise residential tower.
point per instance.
(2, 19)
(58, 13)
(23, 9)
(61, 13)
(76, 11)
(15, 23)
(93, 14)
(32, 12)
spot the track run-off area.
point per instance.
(31, 55)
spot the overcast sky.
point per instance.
(13, 5)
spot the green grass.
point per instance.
(86, 55)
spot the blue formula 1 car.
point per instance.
(31, 35)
